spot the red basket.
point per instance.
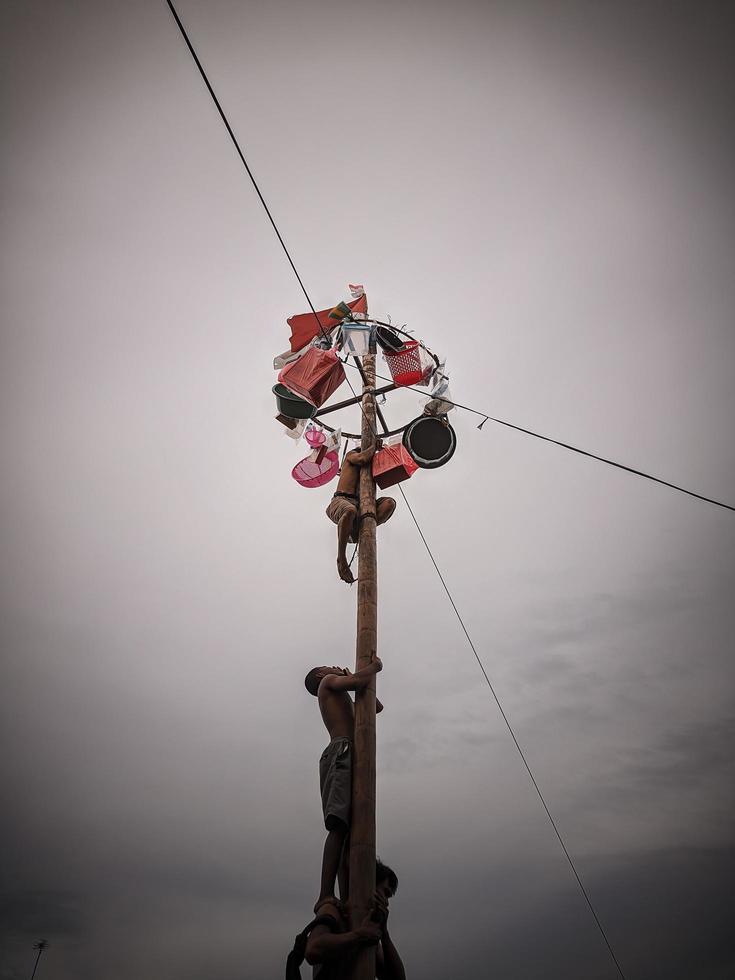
(315, 376)
(391, 465)
(407, 366)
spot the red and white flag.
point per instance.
(356, 291)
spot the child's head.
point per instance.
(386, 880)
(314, 678)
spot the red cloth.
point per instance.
(315, 376)
(392, 465)
(304, 326)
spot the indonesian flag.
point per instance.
(304, 326)
(356, 291)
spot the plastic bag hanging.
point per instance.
(340, 311)
(322, 342)
(356, 338)
(439, 401)
(297, 431)
(334, 441)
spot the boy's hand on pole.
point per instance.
(368, 932)
(380, 908)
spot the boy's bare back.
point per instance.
(349, 475)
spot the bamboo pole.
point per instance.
(362, 834)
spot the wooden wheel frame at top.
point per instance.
(392, 387)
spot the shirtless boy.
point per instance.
(330, 943)
(344, 507)
(330, 685)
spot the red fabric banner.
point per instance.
(304, 326)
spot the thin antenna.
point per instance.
(40, 946)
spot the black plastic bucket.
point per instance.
(388, 340)
(291, 405)
(430, 441)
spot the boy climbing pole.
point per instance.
(330, 685)
(329, 940)
(344, 507)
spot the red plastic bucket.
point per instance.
(405, 365)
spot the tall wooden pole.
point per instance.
(362, 834)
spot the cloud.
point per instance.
(35, 915)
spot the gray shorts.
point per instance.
(344, 505)
(335, 782)
(341, 505)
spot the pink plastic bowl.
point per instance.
(311, 474)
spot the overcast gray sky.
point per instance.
(543, 192)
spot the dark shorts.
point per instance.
(350, 505)
(341, 505)
(335, 783)
(344, 505)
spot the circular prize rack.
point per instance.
(387, 330)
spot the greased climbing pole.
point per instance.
(362, 846)
(309, 374)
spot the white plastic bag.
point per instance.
(334, 441)
(298, 430)
(439, 401)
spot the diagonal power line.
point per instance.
(254, 182)
(565, 445)
(239, 151)
(508, 725)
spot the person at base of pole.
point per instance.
(330, 685)
(344, 507)
(328, 948)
